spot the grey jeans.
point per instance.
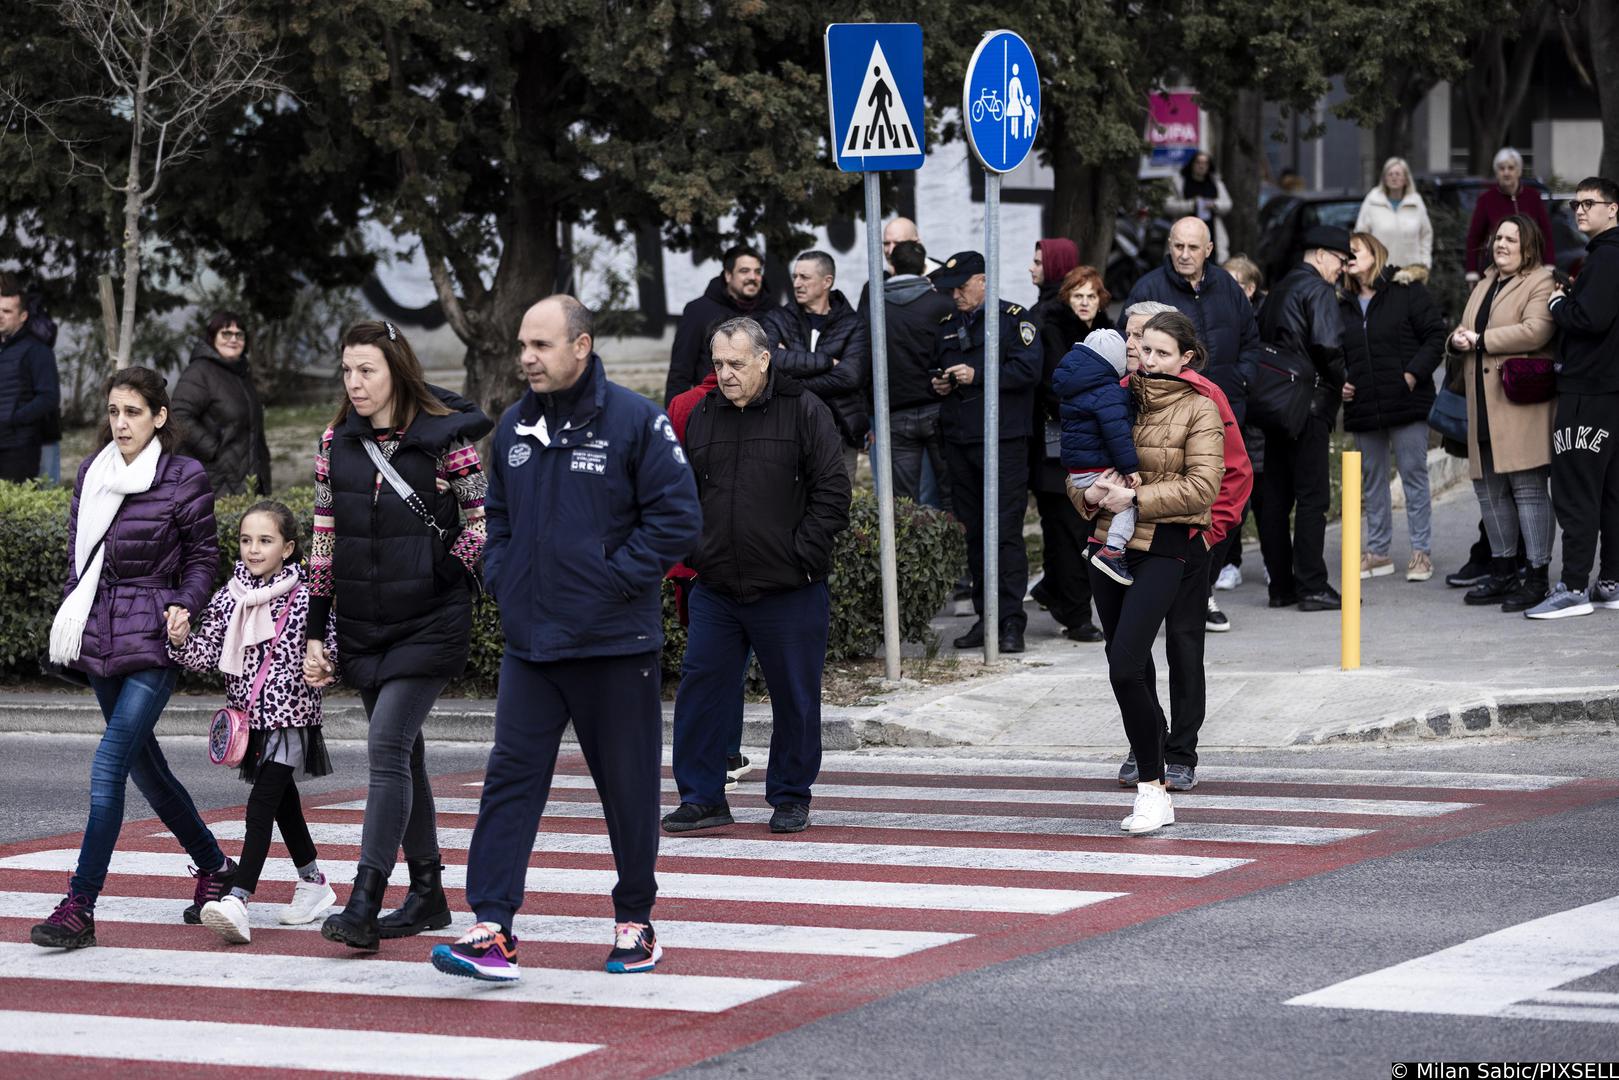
(1409, 443)
(1517, 505)
(915, 435)
(399, 803)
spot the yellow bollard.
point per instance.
(1350, 517)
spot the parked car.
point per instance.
(1285, 218)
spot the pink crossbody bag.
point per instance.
(227, 732)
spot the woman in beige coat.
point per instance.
(1180, 442)
(1509, 446)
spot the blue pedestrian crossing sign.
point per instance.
(1000, 101)
(874, 95)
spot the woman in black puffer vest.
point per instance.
(402, 593)
(1394, 341)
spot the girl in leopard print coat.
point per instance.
(233, 636)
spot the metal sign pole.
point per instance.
(992, 415)
(882, 463)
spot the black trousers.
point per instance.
(1296, 484)
(20, 463)
(965, 462)
(1131, 616)
(1066, 588)
(1585, 485)
(1184, 630)
(274, 798)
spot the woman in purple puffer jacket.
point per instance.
(142, 554)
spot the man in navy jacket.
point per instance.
(590, 502)
(29, 394)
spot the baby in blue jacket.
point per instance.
(1096, 434)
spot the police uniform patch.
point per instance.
(666, 428)
(1025, 330)
(519, 454)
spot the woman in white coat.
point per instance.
(1395, 214)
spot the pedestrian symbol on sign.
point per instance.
(880, 127)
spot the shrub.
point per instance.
(931, 549)
(33, 568)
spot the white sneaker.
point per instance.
(1230, 577)
(227, 917)
(1153, 810)
(309, 902)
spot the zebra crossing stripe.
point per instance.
(335, 1050)
(962, 823)
(814, 891)
(715, 847)
(241, 970)
(770, 938)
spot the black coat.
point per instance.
(1301, 317)
(222, 422)
(1401, 332)
(1224, 317)
(404, 606)
(914, 310)
(692, 356)
(842, 386)
(773, 488)
(961, 341)
(30, 398)
(1588, 347)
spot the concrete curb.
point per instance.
(1517, 713)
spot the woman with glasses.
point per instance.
(220, 413)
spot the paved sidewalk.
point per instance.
(1431, 667)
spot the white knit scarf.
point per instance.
(106, 482)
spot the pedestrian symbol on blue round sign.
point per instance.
(1000, 101)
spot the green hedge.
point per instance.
(931, 549)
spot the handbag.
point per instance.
(1528, 380)
(72, 676)
(228, 730)
(1279, 393)
(1448, 416)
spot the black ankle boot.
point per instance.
(425, 907)
(1501, 583)
(1531, 590)
(356, 925)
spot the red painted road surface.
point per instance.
(912, 871)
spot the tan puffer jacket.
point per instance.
(1181, 443)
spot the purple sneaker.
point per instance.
(71, 926)
(1110, 561)
(483, 953)
(210, 887)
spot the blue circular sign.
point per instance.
(1000, 101)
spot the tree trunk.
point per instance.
(1496, 86)
(1241, 153)
(1603, 26)
(1085, 198)
(124, 348)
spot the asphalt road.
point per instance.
(1196, 994)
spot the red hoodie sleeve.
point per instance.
(1237, 482)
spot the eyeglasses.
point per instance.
(233, 335)
(1582, 205)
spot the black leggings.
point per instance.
(1131, 616)
(274, 799)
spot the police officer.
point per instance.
(590, 502)
(958, 377)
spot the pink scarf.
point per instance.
(250, 622)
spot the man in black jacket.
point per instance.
(29, 393)
(822, 341)
(738, 290)
(1301, 318)
(914, 310)
(959, 380)
(1585, 460)
(775, 495)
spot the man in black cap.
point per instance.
(958, 377)
(1301, 319)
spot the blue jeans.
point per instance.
(129, 751)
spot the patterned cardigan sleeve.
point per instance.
(463, 471)
(321, 544)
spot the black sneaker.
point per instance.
(1325, 600)
(71, 926)
(790, 817)
(688, 817)
(973, 638)
(1281, 600)
(209, 887)
(1215, 621)
(1469, 575)
(1178, 777)
(1129, 772)
(737, 766)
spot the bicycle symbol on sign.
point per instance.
(988, 101)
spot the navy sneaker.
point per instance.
(483, 953)
(1129, 772)
(71, 926)
(210, 887)
(1179, 777)
(789, 818)
(1111, 561)
(635, 949)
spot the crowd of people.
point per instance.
(1146, 445)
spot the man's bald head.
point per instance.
(895, 232)
(1190, 246)
(555, 339)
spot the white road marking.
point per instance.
(349, 975)
(1511, 972)
(335, 1050)
(818, 891)
(675, 933)
(709, 846)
